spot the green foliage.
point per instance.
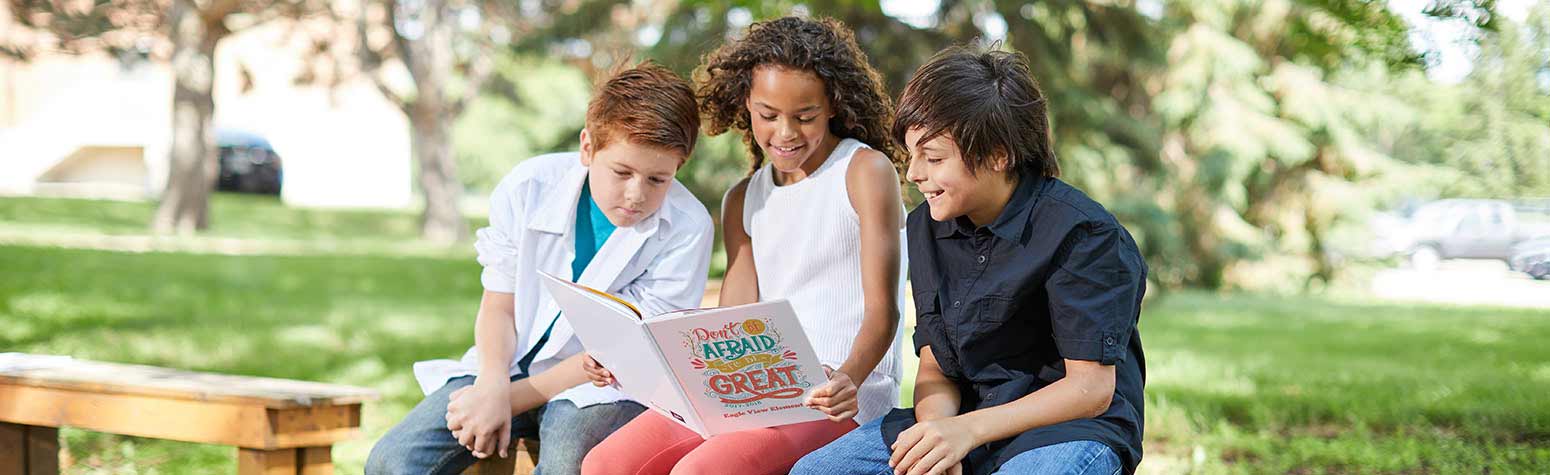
(1490, 135)
(532, 108)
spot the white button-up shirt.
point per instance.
(658, 264)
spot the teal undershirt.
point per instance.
(592, 230)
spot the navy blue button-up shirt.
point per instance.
(1055, 277)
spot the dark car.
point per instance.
(1532, 257)
(248, 163)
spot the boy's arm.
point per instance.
(934, 446)
(530, 393)
(487, 426)
(936, 397)
(740, 285)
(1085, 392)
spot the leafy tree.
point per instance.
(190, 29)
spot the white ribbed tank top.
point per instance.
(806, 241)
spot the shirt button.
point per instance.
(982, 259)
(955, 303)
(1108, 341)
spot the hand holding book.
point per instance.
(836, 398)
(599, 375)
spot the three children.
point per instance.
(1027, 292)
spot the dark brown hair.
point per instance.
(861, 106)
(647, 104)
(988, 102)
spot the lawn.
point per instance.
(1237, 383)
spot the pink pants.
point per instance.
(653, 445)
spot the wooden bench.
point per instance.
(523, 458)
(280, 427)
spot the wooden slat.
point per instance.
(174, 419)
(42, 451)
(13, 448)
(492, 466)
(223, 423)
(313, 419)
(115, 378)
(317, 461)
(266, 462)
(522, 461)
(311, 439)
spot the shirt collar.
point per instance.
(556, 212)
(1013, 219)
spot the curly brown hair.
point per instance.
(862, 108)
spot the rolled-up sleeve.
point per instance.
(927, 315)
(1094, 292)
(497, 244)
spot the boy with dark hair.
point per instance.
(1027, 294)
(610, 217)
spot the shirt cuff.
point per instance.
(1108, 349)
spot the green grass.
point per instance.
(1303, 385)
(1237, 383)
(231, 216)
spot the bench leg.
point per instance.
(316, 461)
(28, 450)
(303, 461)
(266, 462)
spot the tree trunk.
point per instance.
(431, 62)
(1195, 212)
(441, 222)
(184, 206)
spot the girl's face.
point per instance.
(790, 112)
(941, 175)
(629, 181)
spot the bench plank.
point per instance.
(142, 416)
(116, 378)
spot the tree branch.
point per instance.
(387, 92)
(479, 72)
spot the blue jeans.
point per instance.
(421, 443)
(863, 452)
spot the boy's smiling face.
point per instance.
(629, 181)
(941, 175)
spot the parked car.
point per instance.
(1456, 229)
(248, 164)
(1532, 257)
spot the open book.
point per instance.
(714, 370)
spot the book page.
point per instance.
(614, 337)
(742, 367)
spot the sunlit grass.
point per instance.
(231, 216)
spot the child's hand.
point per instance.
(599, 375)
(479, 416)
(935, 446)
(836, 398)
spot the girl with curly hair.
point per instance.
(818, 222)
